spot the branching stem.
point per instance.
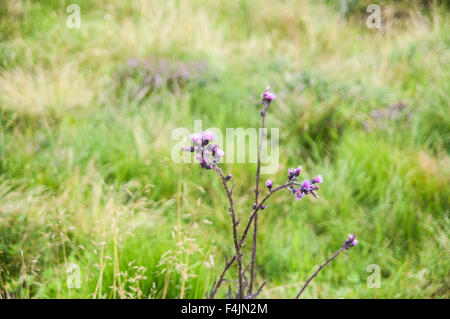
(244, 235)
(238, 255)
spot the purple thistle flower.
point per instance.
(196, 138)
(269, 184)
(268, 96)
(255, 205)
(298, 194)
(306, 185)
(228, 177)
(304, 188)
(208, 136)
(350, 241)
(207, 154)
(294, 172)
(291, 173)
(318, 179)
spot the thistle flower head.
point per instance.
(304, 188)
(293, 173)
(269, 184)
(318, 179)
(306, 185)
(207, 154)
(350, 241)
(208, 136)
(298, 194)
(268, 96)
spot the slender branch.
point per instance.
(318, 270)
(244, 235)
(258, 175)
(215, 287)
(255, 211)
(238, 255)
(260, 288)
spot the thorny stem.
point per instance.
(319, 269)
(235, 235)
(221, 278)
(244, 235)
(258, 174)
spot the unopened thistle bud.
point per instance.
(350, 241)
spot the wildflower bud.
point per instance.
(255, 205)
(306, 185)
(263, 207)
(269, 184)
(298, 194)
(292, 173)
(350, 241)
(268, 96)
(208, 136)
(318, 179)
(228, 177)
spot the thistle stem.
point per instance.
(258, 176)
(318, 270)
(235, 235)
(244, 235)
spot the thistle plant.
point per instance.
(208, 156)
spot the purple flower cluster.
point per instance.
(266, 98)
(293, 173)
(350, 241)
(304, 188)
(208, 154)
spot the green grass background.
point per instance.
(86, 175)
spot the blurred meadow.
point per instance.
(86, 115)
